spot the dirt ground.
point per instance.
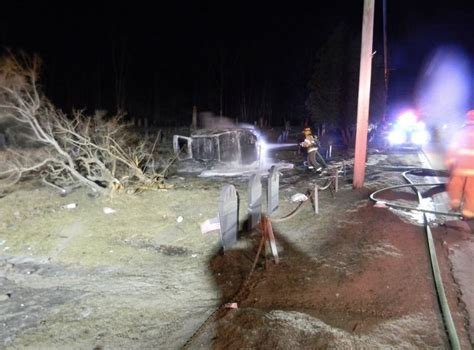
(144, 277)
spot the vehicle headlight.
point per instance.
(397, 137)
(420, 137)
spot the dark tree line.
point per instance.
(247, 63)
(160, 79)
(163, 85)
(333, 87)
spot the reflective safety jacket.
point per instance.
(460, 157)
(309, 143)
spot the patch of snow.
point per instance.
(109, 210)
(244, 170)
(374, 159)
(381, 248)
(407, 332)
(358, 205)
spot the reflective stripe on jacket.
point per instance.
(310, 143)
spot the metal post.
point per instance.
(364, 94)
(316, 199)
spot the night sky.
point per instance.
(176, 54)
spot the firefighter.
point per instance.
(310, 144)
(460, 163)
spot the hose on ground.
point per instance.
(395, 205)
(443, 301)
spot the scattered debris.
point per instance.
(299, 197)
(380, 204)
(210, 225)
(70, 206)
(109, 210)
(231, 306)
(179, 219)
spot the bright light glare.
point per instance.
(407, 119)
(420, 137)
(421, 125)
(444, 87)
(263, 145)
(263, 152)
(396, 137)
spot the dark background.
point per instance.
(156, 62)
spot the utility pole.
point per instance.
(364, 94)
(385, 56)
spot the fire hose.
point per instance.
(443, 301)
(395, 205)
(450, 327)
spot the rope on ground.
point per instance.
(300, 206)
(264, 227)
(294, 212)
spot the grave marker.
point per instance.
(254, 201)
(273, 190)
(228, 216)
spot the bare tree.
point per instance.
(75, 150)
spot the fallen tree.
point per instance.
(68, 151)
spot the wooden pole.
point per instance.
(364, 94)
(385, 57)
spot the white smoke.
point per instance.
(444, 87)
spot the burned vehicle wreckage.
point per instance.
(224, 148)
